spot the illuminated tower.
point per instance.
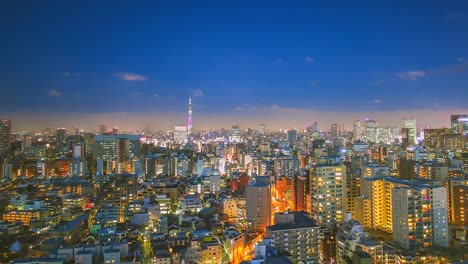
(189, 123)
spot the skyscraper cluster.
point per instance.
(371, 194)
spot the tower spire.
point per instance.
(189, 123)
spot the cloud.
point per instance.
(314, 83)
(135, 94)
(276, 107)
(71, 74)
(155, 95)
(460, 67)
(411, 75)
(246, 107)
(454, 16)
(377, 101)
(54, 93)
(279, 61)
(132, 77)
(198, 93)
(309, 59)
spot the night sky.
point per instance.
(286, 63)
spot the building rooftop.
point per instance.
(301, 220)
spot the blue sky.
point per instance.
(143, 56)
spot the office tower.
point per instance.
(235, 133)
(102, 129)
(120, 147)
(456, 142)
(328, 193)
(189, 121)
(420, 216)
(61, 135)
(459, 124)
(7, 170)
(297, 234)
(371, 131)
(5, 136)
(410, 124)
(99, 167)
(359, 130)
(261, 129)
(258, 209)
(78, 151)
(334, 130)
(286, 166)
(180, 134)
(315, 127)
(292, 136)
(432, 136)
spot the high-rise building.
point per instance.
(261, 129)
(410, 124)
(359, 130)
(432, 136)
(235, 133)
(189, 122)
(296, 234)
(334, 130)
(301, 190)
(376, 199)
(315, 127)
(292, 136)
(120, 147)
(420, 216)
(371, 130)
(180, 134)
(328, 194)
(457, 190)
(460, 205)
(258, 209)
(286, 166)
(5, 136)
(353, 190)
(121, 192)
(61, 135)
(6, 170)
(459, 124)
(102, 129)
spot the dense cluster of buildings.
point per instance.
(371, 194)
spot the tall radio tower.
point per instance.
(189, 123)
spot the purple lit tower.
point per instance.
(189, 123)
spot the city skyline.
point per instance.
(293, 118)
(262, 62)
